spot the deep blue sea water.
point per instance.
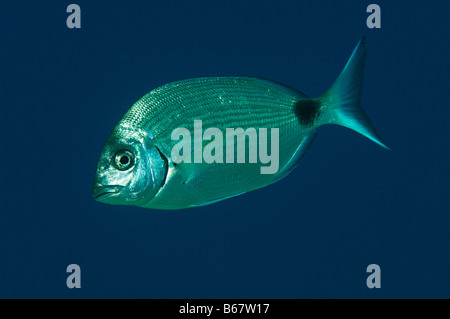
(350, 203)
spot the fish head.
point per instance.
(130, 170)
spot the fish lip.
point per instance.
(102, 194)
(104, 191)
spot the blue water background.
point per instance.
(349, 204)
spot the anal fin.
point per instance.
(298, 154)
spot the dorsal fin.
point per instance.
(294, 93)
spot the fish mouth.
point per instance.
(102, 192)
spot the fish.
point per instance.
(137, 165)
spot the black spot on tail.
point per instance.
(307, 111)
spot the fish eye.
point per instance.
(123, 160)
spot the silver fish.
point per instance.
(137, 166)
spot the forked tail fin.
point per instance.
(343, 98)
